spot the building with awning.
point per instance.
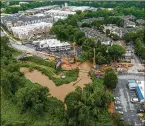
(140, 90)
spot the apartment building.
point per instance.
(26, 31)
(21, 19)
(53, 45)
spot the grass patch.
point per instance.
(81, 59)
(39, 61)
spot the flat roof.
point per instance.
(25, 29)
(59, 12)
(141, 97)
(132, 84)
(53, 43)
(131, 81)
(141, 85)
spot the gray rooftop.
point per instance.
(21, 17)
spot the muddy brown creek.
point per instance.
(59, 92)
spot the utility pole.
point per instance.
(94, 62)
(74, 51)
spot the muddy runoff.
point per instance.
(59, 92)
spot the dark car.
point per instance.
(140, 111)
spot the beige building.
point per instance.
(26, 31)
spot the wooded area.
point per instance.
(25, 103)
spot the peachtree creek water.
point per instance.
(59, 92)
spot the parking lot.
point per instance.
(123, 103)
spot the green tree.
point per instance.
(116, 51)
(108, 32)
(86, 25)
(114, 36)
(87, 47)
(110, 78)
(88, 106)
(34, 100)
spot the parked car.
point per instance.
(120, 112)
(134, 100)
(117, 102)
(118, 107)
(140, 111)
(116, 98)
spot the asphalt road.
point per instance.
(129, 109)
(135, 61)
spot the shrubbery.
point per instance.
(40, 61)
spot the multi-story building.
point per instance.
(53, 44)
(20, 19)
(26, 31)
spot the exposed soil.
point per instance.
(59, 92)
(67, 66)
(111, 107)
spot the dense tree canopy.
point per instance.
(116, 51)
(110, 78)
(69, 32)
(88, 106)
(34, 100)
(110, 4)
(25, 97)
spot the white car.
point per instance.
(120, 112)
(134, 100)
(117, 102)
(116, 98)
(118, 107)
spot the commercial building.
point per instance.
(27, 31)
(139, 87)
(53, 44)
